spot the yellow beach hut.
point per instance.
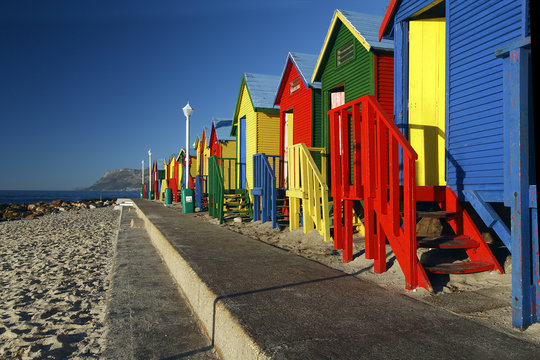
(255, 123)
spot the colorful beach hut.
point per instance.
(299, 101)
(203, 153)
(223, 146)
(221, 143)
(254, 126)
(255, 123)
(352, 63)
(301, 146)
(155, 179)
(464, 102)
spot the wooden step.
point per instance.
(446, 242)
(461, 267)
(235, 203)
(435, 214)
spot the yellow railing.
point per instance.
(307, 190)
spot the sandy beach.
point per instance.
(54, 277)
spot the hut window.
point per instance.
(294, 85)
(345, 53)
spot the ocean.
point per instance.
(34, 196)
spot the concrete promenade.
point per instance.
(147, 317)
(256, 301)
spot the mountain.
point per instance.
(119, 180)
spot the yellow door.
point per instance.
(427, 99)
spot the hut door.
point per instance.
(242, 149)
(288, 141)
(337, 98)
(427, 99)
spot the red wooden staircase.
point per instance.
(361, 130)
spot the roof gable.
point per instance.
(304, 65)
(181, 155)
(261, 90)
(364, 27)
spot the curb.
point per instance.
(224, 330)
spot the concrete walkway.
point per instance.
(259, 302)
(147, 317)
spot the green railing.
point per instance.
(216, 189)
(222, 179)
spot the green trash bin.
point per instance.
(168, 196)
(188, 200)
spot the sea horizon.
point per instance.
(34, 196)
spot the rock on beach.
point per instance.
(31, 211)
(54, 277)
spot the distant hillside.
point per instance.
(119, 180)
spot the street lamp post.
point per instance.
(149, 174)
(187, 193)
(142, 179)
(188, 110)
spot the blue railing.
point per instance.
(201, 191)
(265, 188)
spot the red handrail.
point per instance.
(388, 119)
(376, 142)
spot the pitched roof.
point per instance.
(181, 155)
(261, 90)
(305, 66)
(365, 29)
(196, 143)
(201, 138)
(223, 129)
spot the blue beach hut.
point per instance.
(463, 98)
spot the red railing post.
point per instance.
(380, 259)
(369, 186)
(382, 166)
(347, 238)
(336, 181)
(409, 209)
(394, 186)
(357, 145)
(344, 150)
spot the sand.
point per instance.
(54, 275)
(482, 297)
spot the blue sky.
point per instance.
(89, 86)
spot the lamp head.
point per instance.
(188, 110)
